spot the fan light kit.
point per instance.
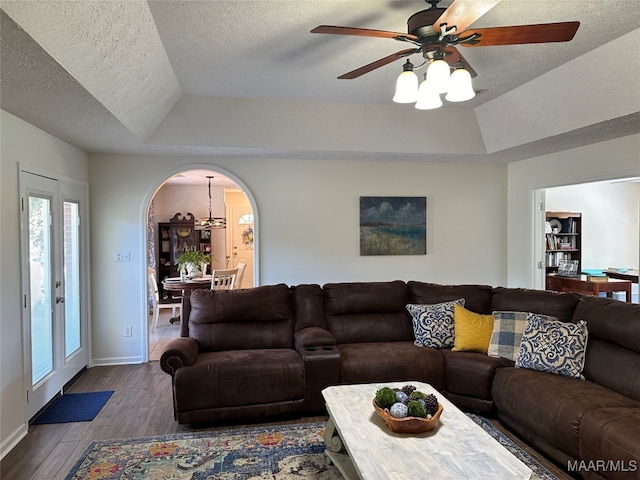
(435, 33)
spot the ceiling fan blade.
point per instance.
(362, 32)
(463, 13)
(378, 63)
(453, 55)
(521, 34)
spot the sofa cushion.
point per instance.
(610, 442)
(367, 312)
(239, 377)
(551, 406)
(390, 361)
(555, 304)
(471, 373)
(250, 318)
(553, 346)
(433, 324)
(472, 330)
(613, 351)
(307, 302)
(477, 297)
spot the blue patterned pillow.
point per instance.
(553, 346)
(433, 324)
(508, 327)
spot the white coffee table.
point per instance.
(361, 445)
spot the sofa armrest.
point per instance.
(313, 337)
(321, 358)
(180, 352)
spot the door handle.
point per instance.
(59, 299)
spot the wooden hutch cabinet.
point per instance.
(175, 237)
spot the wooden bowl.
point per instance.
(408, 424)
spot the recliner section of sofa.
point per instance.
(246, 365)
(273, 349)
(556, 414)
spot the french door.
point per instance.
(54, 285)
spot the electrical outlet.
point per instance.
(121, 256)
(128, 330)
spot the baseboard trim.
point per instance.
(109, 361)
(13, 439)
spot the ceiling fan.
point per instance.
(436, 32)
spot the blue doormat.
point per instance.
(74, 407)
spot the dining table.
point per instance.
(182, 287)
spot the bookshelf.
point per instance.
(563, 240)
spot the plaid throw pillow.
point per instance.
(507, 334)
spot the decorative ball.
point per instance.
(402, 397)
(385, 397)
(398, 410)
(416, 396)
(416, 409)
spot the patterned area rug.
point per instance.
(539, 472)
(277, 453)
(257, 453)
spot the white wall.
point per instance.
(617, 158)
(21, 143)
(610, 227)
(307, 227)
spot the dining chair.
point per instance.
(159, 304)
(241, 266)
(223, 279)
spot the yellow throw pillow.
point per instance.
(472, 330)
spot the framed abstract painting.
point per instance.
(393, 226)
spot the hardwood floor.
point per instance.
(141, 406)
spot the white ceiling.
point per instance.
(199, 177)
(117, 76)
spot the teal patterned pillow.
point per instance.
(553, 346)
(433, 324)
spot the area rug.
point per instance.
(256, 453)
(74, 407)
(539, 472)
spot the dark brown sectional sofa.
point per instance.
(271, 350)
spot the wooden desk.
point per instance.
(631, 275)
(587, 287)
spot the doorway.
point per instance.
(240, 234)
(188, 192)
(54, 285)
(610, 234)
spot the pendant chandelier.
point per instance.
(211, 222)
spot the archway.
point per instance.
(185, 195)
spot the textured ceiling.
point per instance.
(150, 77)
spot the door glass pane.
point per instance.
(40, 288)
(71, 279)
